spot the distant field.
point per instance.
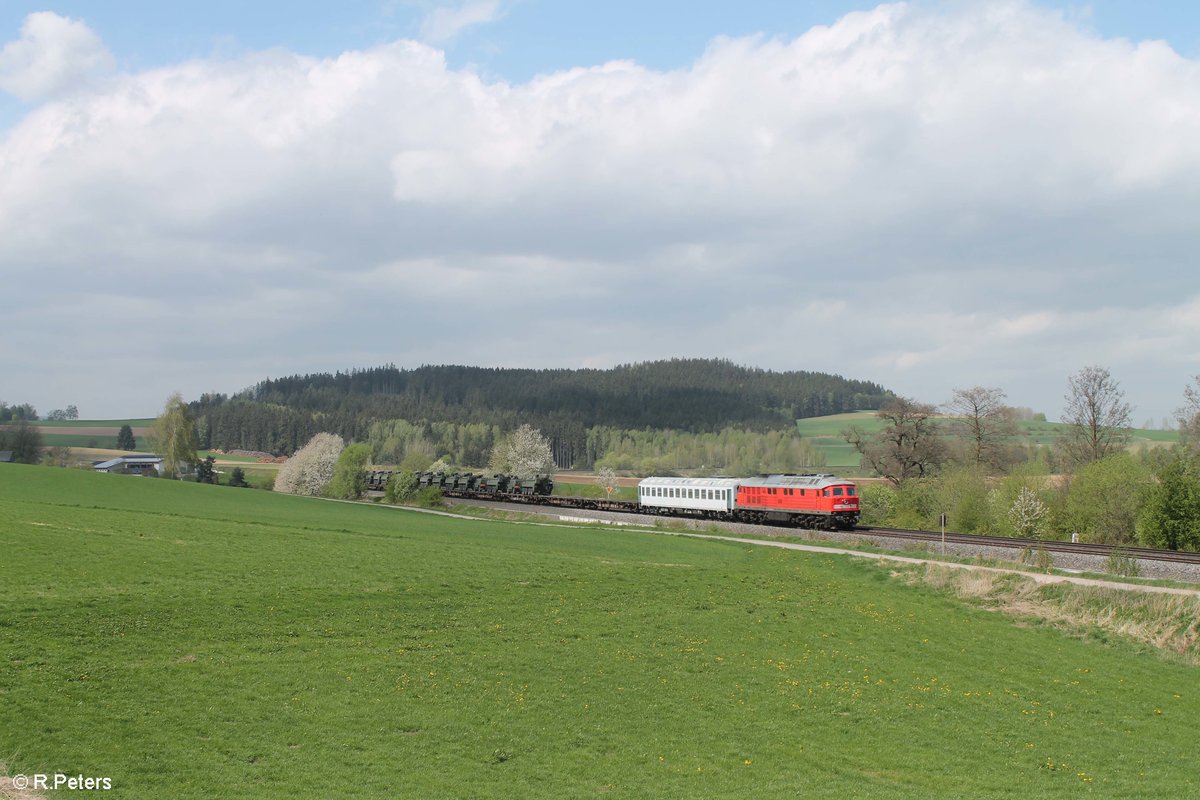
(104, 442)
(95, 433)
(192, 641)
(826, 434)
(95, 423)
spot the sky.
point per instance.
(928, 195)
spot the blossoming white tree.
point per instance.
(525, 452)
(311, 468)
(606, 479)
(1028, 514)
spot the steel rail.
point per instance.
(1051, 546)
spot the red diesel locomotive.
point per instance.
(810, 501)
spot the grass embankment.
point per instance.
(199, 641)
(1169, 623)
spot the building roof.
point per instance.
(112, 462)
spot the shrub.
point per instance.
(1105, 499)
(875, 504)
(1120, 563)
(1028, 514)
(401, 487)
(430, 497)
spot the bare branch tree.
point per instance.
(1099, 417)
(909, 447)
(986, 423)
(1188, 416)
(606, 479)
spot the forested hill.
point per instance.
(694, 395)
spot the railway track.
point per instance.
(1050, 546)
(1080, 548)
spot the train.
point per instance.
(816, 501)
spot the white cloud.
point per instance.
(444, 23)
(54, 54)
(989, 195)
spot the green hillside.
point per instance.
(826, 434)
(193, 641)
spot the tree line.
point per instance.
(644, 452)
(963, 462)
(688, 395)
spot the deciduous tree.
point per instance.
(525, 452)
(24, 440)
(1028, 514)
(1098, 416)
(1188, 417)
(606, 479)
(1105, 498)
(175, 434)
(350, 473)
(909, 447)
(311, 468)
(1171, 515)
(985, 423)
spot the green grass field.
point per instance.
(564, 489)
(94, 423)
(197, 641)
(79, 440)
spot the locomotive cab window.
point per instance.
(837, 492)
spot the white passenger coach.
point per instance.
(694, 494)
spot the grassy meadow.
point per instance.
(198, 641)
